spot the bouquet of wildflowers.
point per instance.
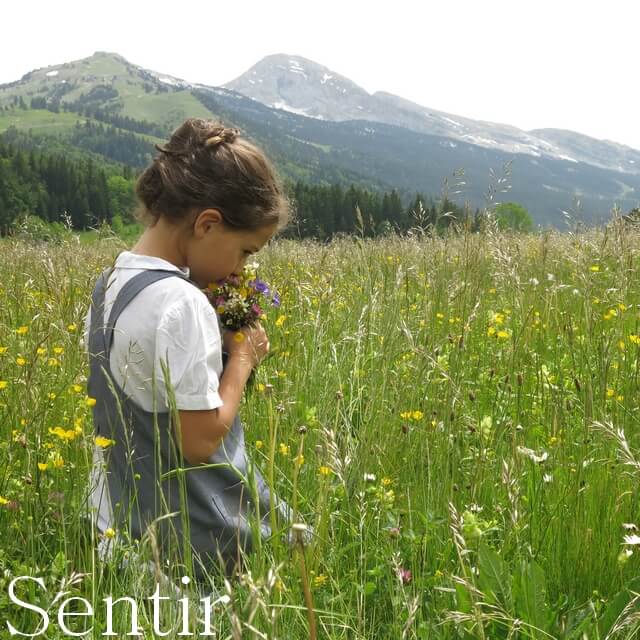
(238, 299)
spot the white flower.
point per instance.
(629, 526)
(369, 477)
(525, 451)
(547, 477)
(534, 282)
(632, 539)
(550, 277)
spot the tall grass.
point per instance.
(469, 457)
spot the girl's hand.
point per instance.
(253, 348)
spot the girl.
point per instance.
(209, 200)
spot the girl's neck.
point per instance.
(162, 241)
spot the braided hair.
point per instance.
(207, 165)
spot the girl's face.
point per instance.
(215, 251)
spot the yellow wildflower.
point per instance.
(280, 321)
(63, 434)
(324, 471)
(53, 362)
(58, 461)
(72, 327)
(3, 349)
(104, 442)
(22, 330)
(491, 331)
(610, 393)
(284, 449)
(300, 459)
(259, 444)
(3, 500)
(503, 334)
(58, 350)
(76, 388)
(43, 466)
(319, 580)
(594, 267)
(109, 533)
(3, 384)
(20, 361)
(41, 351)
(90, 401)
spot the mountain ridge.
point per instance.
(106, 90)
(285, 82)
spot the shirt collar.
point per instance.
(129, 260)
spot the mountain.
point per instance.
(301, 86)
(323, 129)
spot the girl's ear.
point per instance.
(205, 218)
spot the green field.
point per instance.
(38, 120)
(471, 457)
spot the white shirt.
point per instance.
(168, 320)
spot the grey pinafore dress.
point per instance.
(213, 502)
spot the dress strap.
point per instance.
(129, 291)
(96, 330)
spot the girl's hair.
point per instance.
(206, 165)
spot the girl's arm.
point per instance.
(203, 431)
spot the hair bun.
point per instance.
(220, 136)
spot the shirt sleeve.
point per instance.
(188, 342)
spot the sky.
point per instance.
(532, 64)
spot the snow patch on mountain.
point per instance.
(453, 122)
(296, 67)
(281, 104)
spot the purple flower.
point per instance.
(276, 300)
(261, 286)
(404, 575)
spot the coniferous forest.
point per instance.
(86, 192)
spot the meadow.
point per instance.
(456, 417)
